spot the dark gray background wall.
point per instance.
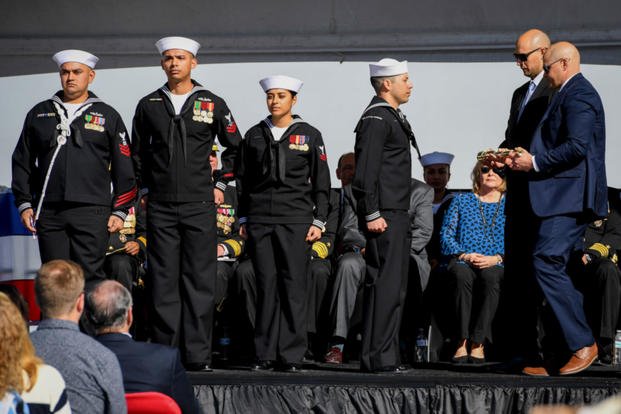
(123, 31)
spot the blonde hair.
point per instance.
(58, 286)
(17, 355)
(475, 175)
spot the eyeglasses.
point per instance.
(546, 68)
(523, 57)
(498, 171)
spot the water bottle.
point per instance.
(616, 357)
(422, 346)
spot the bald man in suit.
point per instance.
(528, 104)
(145, 366)
(567, 187)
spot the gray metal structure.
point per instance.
(122, 32)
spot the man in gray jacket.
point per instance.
(91, 371)
(421, 230)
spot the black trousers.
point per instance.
(75, 231)
(224, 274)
(476, 294)
(601, 284)
(245, 293)
(319, 277)
(387, 255)
(521, 296)
(280, 258)
(122, 268)
(242, 304)
(416, 307)
(182, 266)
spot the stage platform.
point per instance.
(435, 388)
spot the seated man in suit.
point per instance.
(319, 272)
(145, 366)
(416, 307)
(125, 262)
(231, 247)
(597, 275)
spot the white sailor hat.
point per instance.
(436, 158)
(74, 55)
(388, 67)
(281, 82)
(177, 42)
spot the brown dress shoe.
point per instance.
(580, 360)
(536, 371)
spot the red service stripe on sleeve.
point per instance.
(121, 201)
(124, 198)
(228, 175)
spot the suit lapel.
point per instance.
(559, 96)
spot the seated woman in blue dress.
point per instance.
(472, 236)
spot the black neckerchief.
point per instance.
(274, 162)
(177, 120)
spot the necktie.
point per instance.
(531, 89)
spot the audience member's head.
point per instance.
(59, 288)
(109, 307)
(16, 351)
(485, 177)
(437, 169)
(346, 168)
(18, 300)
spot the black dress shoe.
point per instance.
(460, 359)
(198, 367)
(263, 366)
(293, 368)
(309, 357)
(391, 369)
(476, 360)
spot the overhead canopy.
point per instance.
(122, 33)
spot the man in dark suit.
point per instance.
(596, 273)
(528, 104)
(145, 366)
(567, 187)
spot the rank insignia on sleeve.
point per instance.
(95, 123)
(322, 153)
(298, 142)
(231, 127)
(123, 146)
(203, 112)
